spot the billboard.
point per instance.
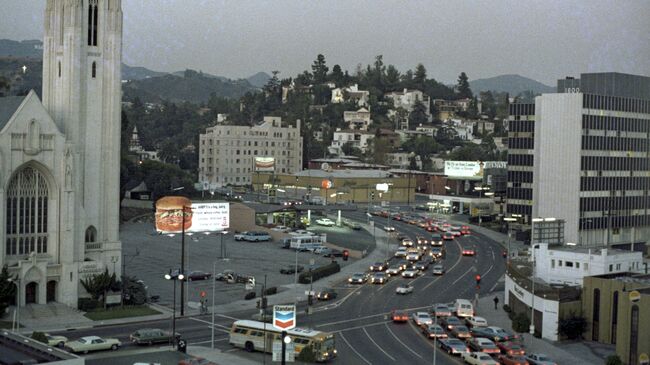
(284, 317)
(175, 214)
(471, 168)
(263, 164)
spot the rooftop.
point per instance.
(627, 277)
(17, 349)
(591, 250)
(8, 106)
(345, 174)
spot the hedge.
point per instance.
(307, 276)
(250, 295)
(88, 304)
(270, 291)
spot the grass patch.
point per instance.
(6, 325)
(120, 312)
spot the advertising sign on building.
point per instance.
(284, 317)
(175, 214)
(263, 164)
(471, 168)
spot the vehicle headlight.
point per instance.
(334, 351)
(350, 280)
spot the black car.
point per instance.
(291, 269)
(197, 275)
(453, 346)
(379, 266)
(422, 265)
(334, 253)
(326, 294)
(450, 322)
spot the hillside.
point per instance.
(259, 79)
(21, 82)
(19, 49)
(512, 84)
(138, 73)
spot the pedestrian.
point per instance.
(496, 302)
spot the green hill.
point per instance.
(512, 84)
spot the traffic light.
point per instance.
(372, 195)
(264, 303)
(346, 254)
(478, 281)
(258, 304)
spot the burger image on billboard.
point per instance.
(173, 214)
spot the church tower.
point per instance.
(82, 52)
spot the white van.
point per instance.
(463, 308)
(306, 243)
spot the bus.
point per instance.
(249, 335)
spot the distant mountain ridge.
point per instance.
(512, 84)
(259, 79)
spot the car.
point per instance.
(453, 346)
(358, 278)
(436, 252)
(378, 278)
(150, 336)
(393, 270)
(413, 256)
(478, 358)
(284, 229)
(197, 275)
(421, 240)
(196, 361)
(401, 252)
(409, 273)
(438, 269)
(468, 252)
(512, 360)
(292, 269)
(441, 310)
(325, 222)
(404, 289)
(254, 236)
(540, 359)
(455, 233)
(93, 343)
(302, 232)
(481, 344)
(399, 316)
(332, 252)
(422, 318)
(434, 331)
(56, 341)
(511, 348)
(474, 321)
(407, 242)
(494, 333)
(465, 230)
(450, 322)
(352, 225)
(447, 236)
(326, 294)
(389, 228)
(240, 236)
(460, 332)
(422, 265)
(403, 264)
(379, 266)
(436, 239)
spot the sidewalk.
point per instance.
(569, 353)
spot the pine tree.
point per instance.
(319, 70)
(462, 87)
(420, 76)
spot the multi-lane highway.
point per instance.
(360, 317)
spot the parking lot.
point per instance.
(160, 253)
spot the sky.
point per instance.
(544, 40)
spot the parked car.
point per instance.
(352, 225)
(197, 275)
(56, 341)
(302, 232)
(404, 289)
(441, 310)
(291, 269)
(478, 358)
(150, 336)
(540, 359)
(493, 333)
(358, 278)
(461, 332)
(378, 278)
(399, 316)
(438, 269)
(284, 229)
(476, 322)
(434, 331)
(450, 322)
(453, 346)
(511, 348)
(379, 266)
(254, 236)
(93, 343)
(332, 252)
(195, 361)
(326, 294)
(513, 360)
(422, 318)
(481, 344)
(240, 236)
(325, 222)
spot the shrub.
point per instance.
(319, 273)
(307, 355)
(613, 360)
(520, 323)
(572, 327)
(507, 308)
(88, 304)
(39, 336)
(135, 293)
(270, 291)
(250, 295)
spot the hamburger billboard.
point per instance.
(264, 164)
(176, 214)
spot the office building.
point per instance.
(583, 155)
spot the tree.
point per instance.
(418, 115)
(39, 336)
(349, 150)
(447, 136)
(420, 76)
(392, 78)
(488, 104)
(413, 165)
(319, 70)
(520, 323)
(4, 85)
(613, 360)
(462, 87)
(133, 291)
(98, 284)
(572, 327)
(337, 76)
(7, 290)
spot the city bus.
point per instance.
(249, 335)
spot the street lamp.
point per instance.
(17, 282)
(509, 219)
(481, 189)
(174, 275)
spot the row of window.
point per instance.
(616, 103)
(520, 176)
(614, 183)
(247, 152)
(611, 123)
(521, 126)
(520, 160)
(521, 143)
(247, 143)
(524, 210)
(615, 143)
(521, 109)
(519, 193)
(600, 204)
(570, 264)
(614, 221)
(24, 245)
(614, 163)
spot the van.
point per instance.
(256, 236)
(307, 243)
(463, 308)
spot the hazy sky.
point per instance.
(544, 40)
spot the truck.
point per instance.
(306, 242)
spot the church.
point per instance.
(60, 157)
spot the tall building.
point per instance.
(60, 158)
(589, 149)
(227, 152)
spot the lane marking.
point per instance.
(353, 349)
(350, 320)
(208, 341)
(229, 317)
(460, 277)
(379, 347)
(361, 327)
(217, 326)
(400, 341)
(494, 286)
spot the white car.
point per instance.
(280, 229)
(476, 322)
(438, 270)
(389, 228)
(422, 318)
(478, 358)
(393, 270)
(410, 273)
(413, 256)
(404, 289)
(407, 242)
(240, 236)
(401, 252)
(302, 232)
(325, 222)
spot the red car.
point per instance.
(468, 252)
(511, 348)
(399, 316)
(447, 236)
(464, 230)
(512, 360)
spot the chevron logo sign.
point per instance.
(284, 317)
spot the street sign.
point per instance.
(644, 359)
(284, 317)
(634, 296)
(203, 293)
(289, 355)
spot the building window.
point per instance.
(559, 263)
(27, 208)
(91, 234)
(634, 335)
(586, 266)
(553, 264)
(611, 267)
(614, 316)
(92, 23)
(577, 265)
(618, 267)
(595, 315)
(59, 68)
(568, 264)
(94, 70)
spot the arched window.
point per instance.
(91, 234)
(27, 200)
(634, 335)
(614, 316)
(59, 68)
(94, 70)
(595, 320)
(92, 23)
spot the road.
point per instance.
(361, 317)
